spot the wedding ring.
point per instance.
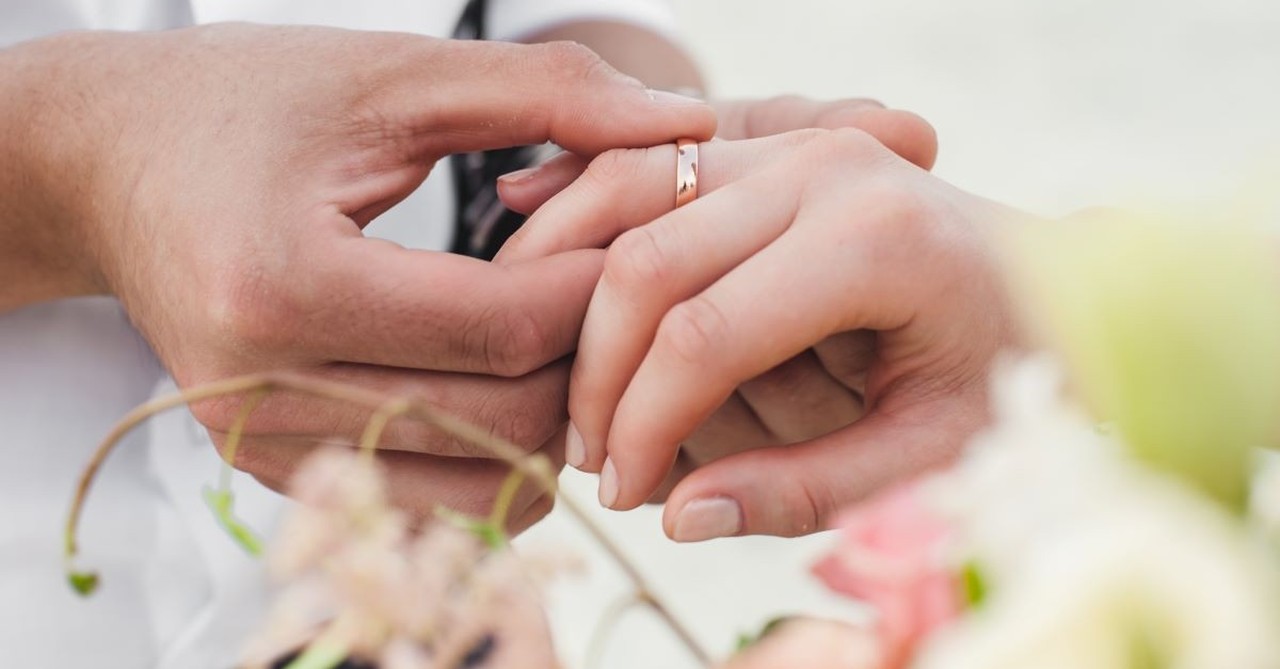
(686, 171)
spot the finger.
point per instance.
(525, 411)
(525, 190)
(904, 133)
(621, 190)
(386, 305)
(847, 356)
(733, 428)
(745, 119)
(799, 400)
(682, 467)
(799, 290)
(646, 272)
(795, 490)
(504, 94)
(419, 484)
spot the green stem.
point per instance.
(605, 625)
(396, 406)
(234, 436)
(536, 468)
(506, 495)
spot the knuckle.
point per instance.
(853, 143)
(614, 168)
(512, 341)
(692, 331)
(636, 260)
(526, 424)
(808, 506)
(844, 113)
(573, 61)
(804, 137)
(252, 312)
(813, 509)
(900, 210)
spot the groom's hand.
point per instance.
(217, 180)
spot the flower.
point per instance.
(891, 557)
(361, 584)
(1093, 559)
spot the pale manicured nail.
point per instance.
(575, 451)
(608, 484)
(708, 518)
(670, 99)
(519, 176)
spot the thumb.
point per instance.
(796, 489)
(495, 95)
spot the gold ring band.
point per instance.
(686, 171)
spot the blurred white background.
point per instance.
(1048, 106)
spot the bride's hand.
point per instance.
(794, 239)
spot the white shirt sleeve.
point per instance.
(512, 20)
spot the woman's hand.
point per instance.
(808, 237)
(809, 395)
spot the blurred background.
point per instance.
(1047, 106)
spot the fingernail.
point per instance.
(575, 451)
(519, 176)
(708, 518)
(608, 484)
(673, 99)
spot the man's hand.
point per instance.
(217, 180)
(809, 240)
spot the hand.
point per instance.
(904, 133)
(217, 180)
(795, 239)
(817, 391)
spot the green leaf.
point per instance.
(747, 640)
(973, 585)
(319, 655)
(493, 535)
(1172, 331)
(222, 503)
(85, 583)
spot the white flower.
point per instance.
(1093, 561)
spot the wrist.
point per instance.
(49, 196)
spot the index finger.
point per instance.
(495, 95)
(381, 304)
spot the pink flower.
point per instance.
(891, 557)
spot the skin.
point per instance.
(216, 179)
(815, 392)
(821, 241)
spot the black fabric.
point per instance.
(482, 224)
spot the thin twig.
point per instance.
(506, 495)
(607, 622)
(235, 436)
(538, 469)
(373, 430)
